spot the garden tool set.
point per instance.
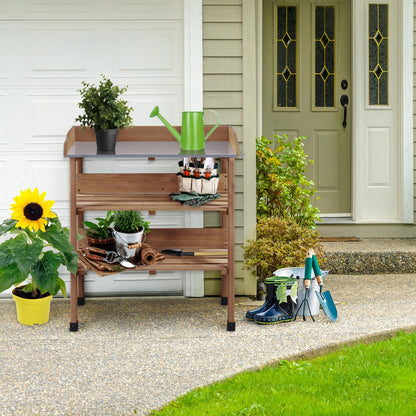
(96, 253)
(325, 298)
(98, 257)
(307, 283)
(284, 291)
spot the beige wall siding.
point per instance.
(223, 92)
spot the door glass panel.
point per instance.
(378, 57)
(285, 77)
(324, 56)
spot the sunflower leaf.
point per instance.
(58, 238)
(45, 272)
(7, 225)
(20, 252)
(9, 276)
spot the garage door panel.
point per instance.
(41, 127)
(58, 52)
(3, 119)
(2, 53)
(87, 9)
(150, 53)
(48, 48)
(134, 51)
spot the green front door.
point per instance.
(306, 86)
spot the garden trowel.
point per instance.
(325, 298)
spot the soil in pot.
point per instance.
(107, 244)
(25, 295)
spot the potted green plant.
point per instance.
(129, 228)
(104, 111)
(100, 233)
(35, 246)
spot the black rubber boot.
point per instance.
(279, 311)
(270, 299)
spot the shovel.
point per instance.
(194, 253)
(325, 298)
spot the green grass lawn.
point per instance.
(366, 379)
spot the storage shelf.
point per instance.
(150, 192)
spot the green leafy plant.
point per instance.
(39, 247)
(101, 229)
(130, 222)
(282, 188)
(103, 109)
(281, 242)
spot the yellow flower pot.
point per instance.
(32, 311)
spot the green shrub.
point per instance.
(281, 242)
(130, 222)
(282, 188)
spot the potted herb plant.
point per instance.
(104, 111)
(100, 233)
(35, 246)
(129, 228)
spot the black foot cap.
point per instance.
(224, 301)
(81, 301)
(230, 326)
(73, 327)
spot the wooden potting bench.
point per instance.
(150, 192)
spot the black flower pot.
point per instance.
(106, 139)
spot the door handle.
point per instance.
(344, 103)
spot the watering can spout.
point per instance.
(155, 113)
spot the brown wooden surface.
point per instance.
(133, 183)
(150, 192)
(148, 133)
(152, 202)
(188, 238)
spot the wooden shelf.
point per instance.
(150, 192)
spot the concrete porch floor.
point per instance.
(136, 354)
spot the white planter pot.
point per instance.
(124, 240)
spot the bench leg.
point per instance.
(73, 325)
(231, 304)
(224, 288)
(81, 296)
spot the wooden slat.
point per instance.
(181, 238)
(138, 134)
(142, 202)
(177, 263)
(133, 183)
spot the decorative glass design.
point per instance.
(324, 56)
(378, 54)
(285, 57)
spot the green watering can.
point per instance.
(192, 132)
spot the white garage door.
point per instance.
(47, 48)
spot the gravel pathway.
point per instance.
(136, 354)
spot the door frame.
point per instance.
(406, 103)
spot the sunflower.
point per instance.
(31, 211)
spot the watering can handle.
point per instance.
(218, 122)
